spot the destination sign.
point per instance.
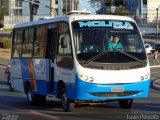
(112, 24)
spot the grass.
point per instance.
(5, 30)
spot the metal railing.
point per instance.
(9, 22)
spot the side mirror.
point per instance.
(63, 42)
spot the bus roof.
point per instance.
(70, 18)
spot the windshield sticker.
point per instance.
(114, 24)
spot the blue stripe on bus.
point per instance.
(41, 87)
(25, 68)
(85, 89)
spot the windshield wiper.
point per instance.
(124, 53)
(96, 56)
(131, 56)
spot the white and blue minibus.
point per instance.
(68, 57)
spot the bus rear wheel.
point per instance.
(34, 99)
(67, 105)
(126, 103)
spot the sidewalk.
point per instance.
(151, 61)
(5, 53)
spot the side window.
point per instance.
(64, 44)
(29, 42)
(18, 36)
(17, 43)
(27, 46)
(27, 50)
(38, 50)
(134, 44)
(39, 43)
(17, 50)
(64, 51)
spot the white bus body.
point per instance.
(68, 66)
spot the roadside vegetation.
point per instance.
(5, 43)
(6, 31)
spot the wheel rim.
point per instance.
(29, 96)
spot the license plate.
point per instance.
(117, 90)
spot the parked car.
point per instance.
(149, 48)
(156, 47)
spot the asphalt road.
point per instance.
(14, 106)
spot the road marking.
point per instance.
(30, 112)
(153, 106)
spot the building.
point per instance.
(19, 10)
(151, 10)
(144, 11)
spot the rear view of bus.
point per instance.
(105, 71)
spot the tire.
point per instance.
(126, 104)
(41, 99)
(76, 105)
(34, 99)
(66, 103)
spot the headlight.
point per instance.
(144, 77)
(141, 78)
(86, 78)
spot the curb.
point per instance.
(154, 66)
(3, 65)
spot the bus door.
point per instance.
(50, 54)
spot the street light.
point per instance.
(157, 9)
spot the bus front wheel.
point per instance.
(66, 103)
(126, 103)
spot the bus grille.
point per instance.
(115, 94)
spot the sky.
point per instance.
(84, 4)
(43, 11)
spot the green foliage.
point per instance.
(6, 31)
(3, 10)
(5, 42)
(121, 11)
(109, 2)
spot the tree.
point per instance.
(3, 9)
(121, 11)
(106, 5)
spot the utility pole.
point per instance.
(52, 6)
(76, 3)
(66, 5)
(137, 9)
(72, 5)
(31, 8)
(2, 7)
(157, 9)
